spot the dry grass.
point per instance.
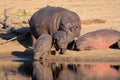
(93, 21)
(107, 56)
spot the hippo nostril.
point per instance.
(71, 30)
(76, 27)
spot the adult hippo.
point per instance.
(100, 39)
(50, 19)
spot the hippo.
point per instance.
(100, 39)
(60, 41)
(66, 73)
(99, 72)
(42, 71)
(42, 46)
(51, 19)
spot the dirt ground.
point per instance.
(94, 14)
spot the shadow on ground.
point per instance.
(22, 35)
(27, 54)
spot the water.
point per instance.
(15, 70)
(38, 70)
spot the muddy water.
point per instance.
(37, 70)
(15, 70)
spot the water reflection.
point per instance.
(55, 71)
(42, 71)
(13, 70)
(100, 72)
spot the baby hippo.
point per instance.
(100, 39)
(60, 41)
(42, 46)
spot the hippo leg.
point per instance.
(63, 51)
(57, 50)
(118, 43)
(71, 45)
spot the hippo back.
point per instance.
(41, 21)
(43, 43)
(50, 19)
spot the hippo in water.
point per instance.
(51, 19)
(60, 41)
(100, 39)
(42, 46)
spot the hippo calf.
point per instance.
(100, 39)
(42, 46)
(51, 19)
(60, 41)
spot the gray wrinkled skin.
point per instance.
(42, 46)
(60, 41)
(51, 19)
(92, 40)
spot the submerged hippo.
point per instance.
(99, 39)
(60, 41)
(51, 19)
(42, 46)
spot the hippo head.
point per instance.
(71, 25)
(84, 43)
(72, 30)
(60, 39)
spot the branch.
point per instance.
(6, 19)
(5, 23)
(1, 23)
(12, 39)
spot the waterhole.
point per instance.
(25, 69)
